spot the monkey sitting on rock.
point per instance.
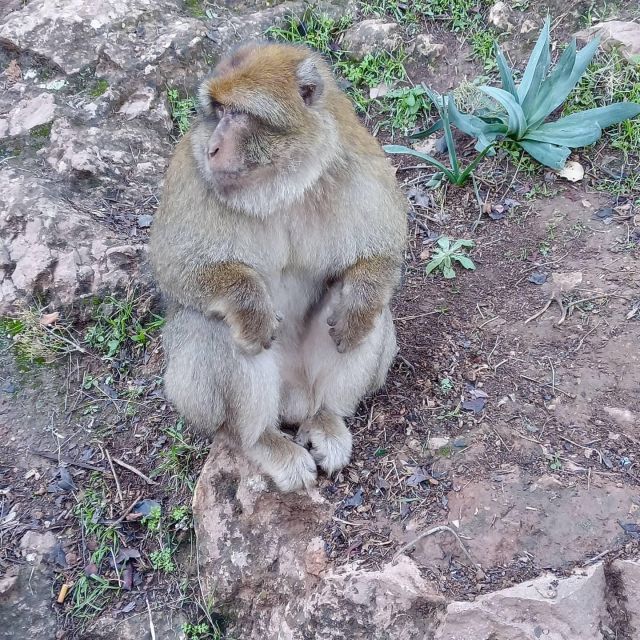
(278, 245)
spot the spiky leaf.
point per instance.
(550, 155)
(517, 123)
(603, 116)
(505, 73)
(465, 261)
(562, 80)
(578, 134)
(425, 157)
(537, 66)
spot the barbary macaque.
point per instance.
(278, 245)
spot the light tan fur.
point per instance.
(280, 281)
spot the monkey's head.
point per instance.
(267, 129)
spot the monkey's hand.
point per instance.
(253, 325)
(350, 323)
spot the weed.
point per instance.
(179, 458)
(406, 106)
(375, 68)
(314, 29)
(162, 560)
(99, 88)
(41, 132)
(555, 463)
(446, 385)
(195, 8)
(544, 248)
(445, 255)
(181, 518)
(36, 340)
(201, 631)
(91, 591)
(120, 323)
(608, 80)
(483, 46)
(182, 108)
(153, 519)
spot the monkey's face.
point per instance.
(265, 133)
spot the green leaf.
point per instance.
(425, 133)
(448, 135)
(434, 264)
(505, 73)
(465, 261)
(602, 116)
(550, 155)
(469, 244)
(425, 157)
(448, 272)
(475, 126)
(577, 134)
(517, 121)
(537, 66)
(444, 242)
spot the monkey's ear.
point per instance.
(310, 82)
(205, 104)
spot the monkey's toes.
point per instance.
(298, 472)
(331, 451)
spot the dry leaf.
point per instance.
(49, 318)
(13, 72)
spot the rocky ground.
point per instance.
(494, 488)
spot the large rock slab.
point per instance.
(544, 608)
(616, 34)
(263, 561)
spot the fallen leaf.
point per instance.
(356, 499)
(13, 72)
(566, 282)
(378, 92)
(145, 507)
(572, 171)
(49, 318)
(476, 405)
(631, 529)
(415, 479)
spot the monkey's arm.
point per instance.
(367, 287)
(237, 293)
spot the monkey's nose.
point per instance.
(213, 152)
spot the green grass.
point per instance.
(162, 560)
(405, 107)
(201, 631)
(195, 8)
(375, 69)
(458, 15)
(99, 88)
(609, 79)
(179, 458)
(119, 323)
(182, 108)
(314, 29)
(91, 593)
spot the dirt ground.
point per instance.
(511, 414)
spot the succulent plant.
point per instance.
(523, 109)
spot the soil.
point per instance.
(520, 433)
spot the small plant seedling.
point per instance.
(555, 464)
(200, 631)
(446, 385)
(445, 255)
(153, 520)
(182, 109)
(405, 106)
(162, 560)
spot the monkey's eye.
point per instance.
(217, 110)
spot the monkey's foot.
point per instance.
(329, 440)
(297, 472)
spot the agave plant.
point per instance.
(524, 108)
(456, 174)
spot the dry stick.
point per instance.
(115, 477)
(585, 336)
(131, 468)
(74, 463)
(438, 529)
(537, 315)
(127, 511)
(152, 629)
(547, 384)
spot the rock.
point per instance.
(139, 102)
(261, 559)
(27, 114)
(621, 416)
(499, 15)
(436, 443)
(616, 34)
(547, 607)
(627, 583)
(426, 48)
(26, 604)
(167, 626)
(528, 26)
(371, 36)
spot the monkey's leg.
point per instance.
(339, 381)
(214, 383)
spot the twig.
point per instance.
(152, 629)
(430, 532)
(598, 557)
(537, 315)
(547, 384)
(115, 477)
(553, 377)
(131, 468)
(74, 463)
(127, 511)
(585, 336)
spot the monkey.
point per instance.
(278, 244)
